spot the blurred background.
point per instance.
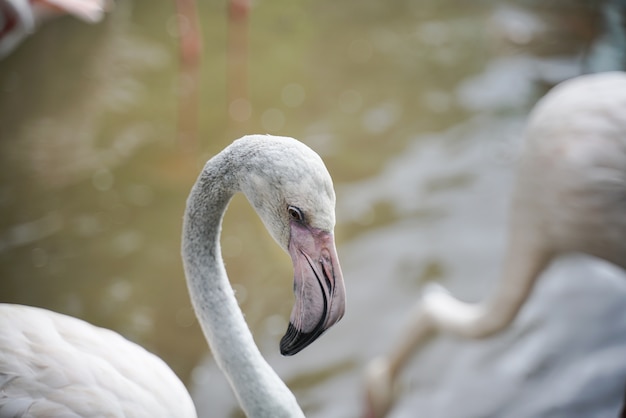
(417, 108)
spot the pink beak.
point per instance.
(318, 287)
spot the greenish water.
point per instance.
(93, 175)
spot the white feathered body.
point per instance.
(570, 196)
(53, 365)
(572, 177)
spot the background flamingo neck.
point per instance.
(258, 388)
(526, 258)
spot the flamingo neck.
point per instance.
(526, 258)
(260, 391)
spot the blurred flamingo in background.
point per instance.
(190, 55)
(570, 196)
(238, 13)
(20, 18)
(190, 44)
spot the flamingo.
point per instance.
(570, 196)
(20, 18)
(52, 365)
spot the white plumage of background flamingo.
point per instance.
(20, 18)
(570, 197)
(52, 365)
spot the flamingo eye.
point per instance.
(295, 214)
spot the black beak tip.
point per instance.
(295, 341)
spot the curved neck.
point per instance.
(261, 393)
(527, 256)
(526, 259)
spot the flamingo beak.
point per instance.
(318, 287)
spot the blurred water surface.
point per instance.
(417, 109)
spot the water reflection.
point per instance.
(417, 110)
